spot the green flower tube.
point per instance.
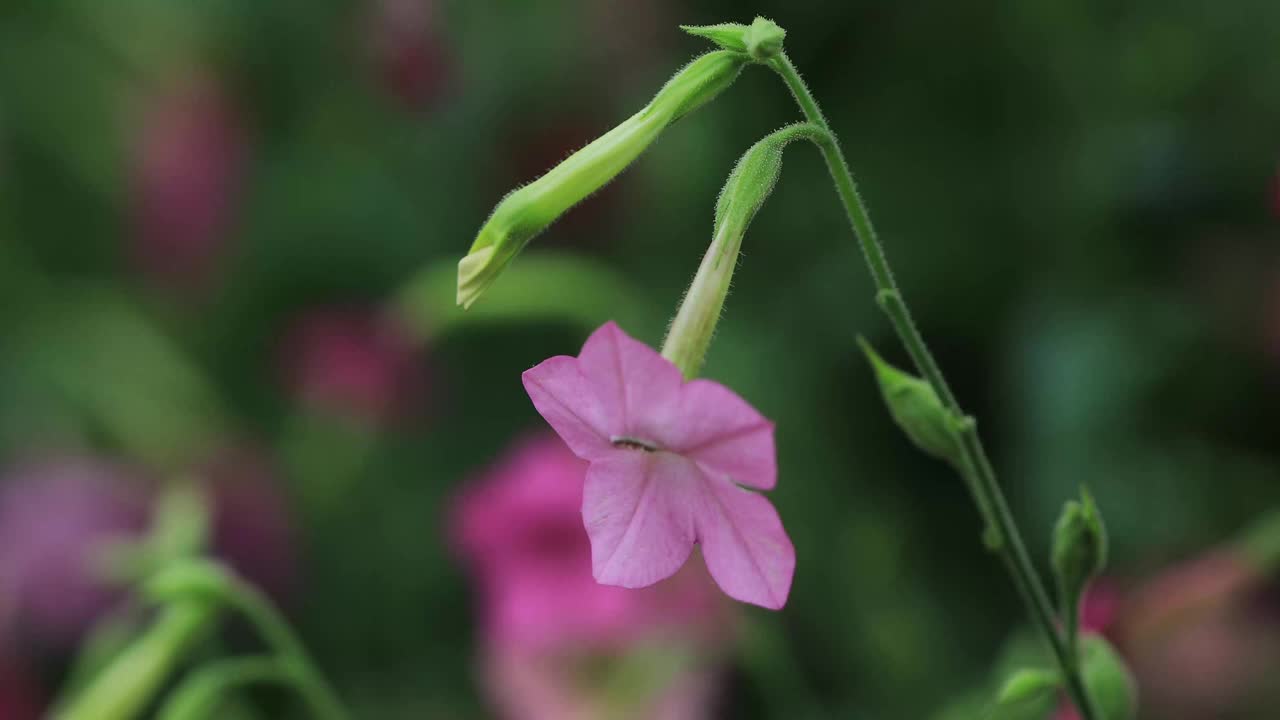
(525, 212)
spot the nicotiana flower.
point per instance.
(672, 463)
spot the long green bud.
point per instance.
(525, 212)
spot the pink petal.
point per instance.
(570, 404)
(637, 388)
(639, 507)
(723, 434)
(745, 546)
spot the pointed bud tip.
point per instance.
(730, 36)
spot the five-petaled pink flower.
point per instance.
(669, 460)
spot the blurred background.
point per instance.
(228, 237)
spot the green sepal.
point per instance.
(916, 409)
(730, 36)
(762, 39)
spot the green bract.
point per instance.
(525, 212)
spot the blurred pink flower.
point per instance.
(408, 52)
(353, 363)
(1195, 646)
(20, 697)
(55, 513)
(670, 464)
(188, 163)
(519, 527)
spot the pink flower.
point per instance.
(408, 52)
(551, 635)
(520, 528)
(669, 460)
(190, 157)
(353, 363)
(55, 514)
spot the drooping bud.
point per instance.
(916, 408)
(1108, 680)
(748, 186)
(525, 212)
(762, 39)
(1079, 552)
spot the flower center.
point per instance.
(631, 443)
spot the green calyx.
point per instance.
(916, 408)
(526, 212)
(761, 40)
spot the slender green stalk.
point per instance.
(123, 689)
(991, 498)
(291, 654)
(201, 694)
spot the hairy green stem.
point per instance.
(991, 498)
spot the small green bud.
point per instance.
(1079, 550)
(1026, 684)
(916, 408)
(190, 580)
(525, 212)
(764, 39)
(1108, 680)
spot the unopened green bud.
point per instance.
(1079, 550)
(525, 212)
(1107, 679)
(916, 409)
(764, 39)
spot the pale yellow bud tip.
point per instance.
(472, 275)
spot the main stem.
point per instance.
(1011, 547)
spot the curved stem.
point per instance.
(203, 689)
(991, 498)
(276, 632)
